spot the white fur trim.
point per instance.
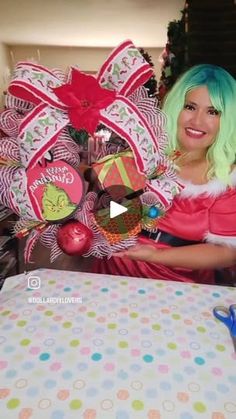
(214, 187)
(221, 240)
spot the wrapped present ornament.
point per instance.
(119, 169)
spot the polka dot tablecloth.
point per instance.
(114, 348)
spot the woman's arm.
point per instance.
(198, 256)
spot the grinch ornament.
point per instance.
(55, 190)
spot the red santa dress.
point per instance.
(200, 213)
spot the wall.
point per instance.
(88, 59)
(87, 23)
(4, 71)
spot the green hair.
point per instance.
(222, 91)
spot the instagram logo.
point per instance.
(34, 282)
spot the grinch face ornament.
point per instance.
(55, 190)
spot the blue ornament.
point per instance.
(153, 212)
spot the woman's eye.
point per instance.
(189, 107)
(213, 112)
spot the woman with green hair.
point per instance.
(221, 88)
(197, 235)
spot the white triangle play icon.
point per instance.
(116, 209)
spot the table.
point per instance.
(125, 348)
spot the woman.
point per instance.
(198, 234)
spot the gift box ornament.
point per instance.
(123, 226)
(119, 169)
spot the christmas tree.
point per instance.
(174, 54)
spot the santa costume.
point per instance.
(199, 214)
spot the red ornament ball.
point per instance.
(74, 238)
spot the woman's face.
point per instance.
(198, 122)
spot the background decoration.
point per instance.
(174, 55)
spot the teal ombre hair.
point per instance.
(222, 91)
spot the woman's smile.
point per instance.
(193, 133)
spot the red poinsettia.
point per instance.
(85, 98)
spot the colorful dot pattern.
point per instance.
(133, 348)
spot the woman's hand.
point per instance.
(145, 252)
(196, 256)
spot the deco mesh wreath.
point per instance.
(39, 161)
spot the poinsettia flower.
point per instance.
(85, 98)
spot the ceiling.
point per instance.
(86, 23)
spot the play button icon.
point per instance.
(118, 213)
(116, 209)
